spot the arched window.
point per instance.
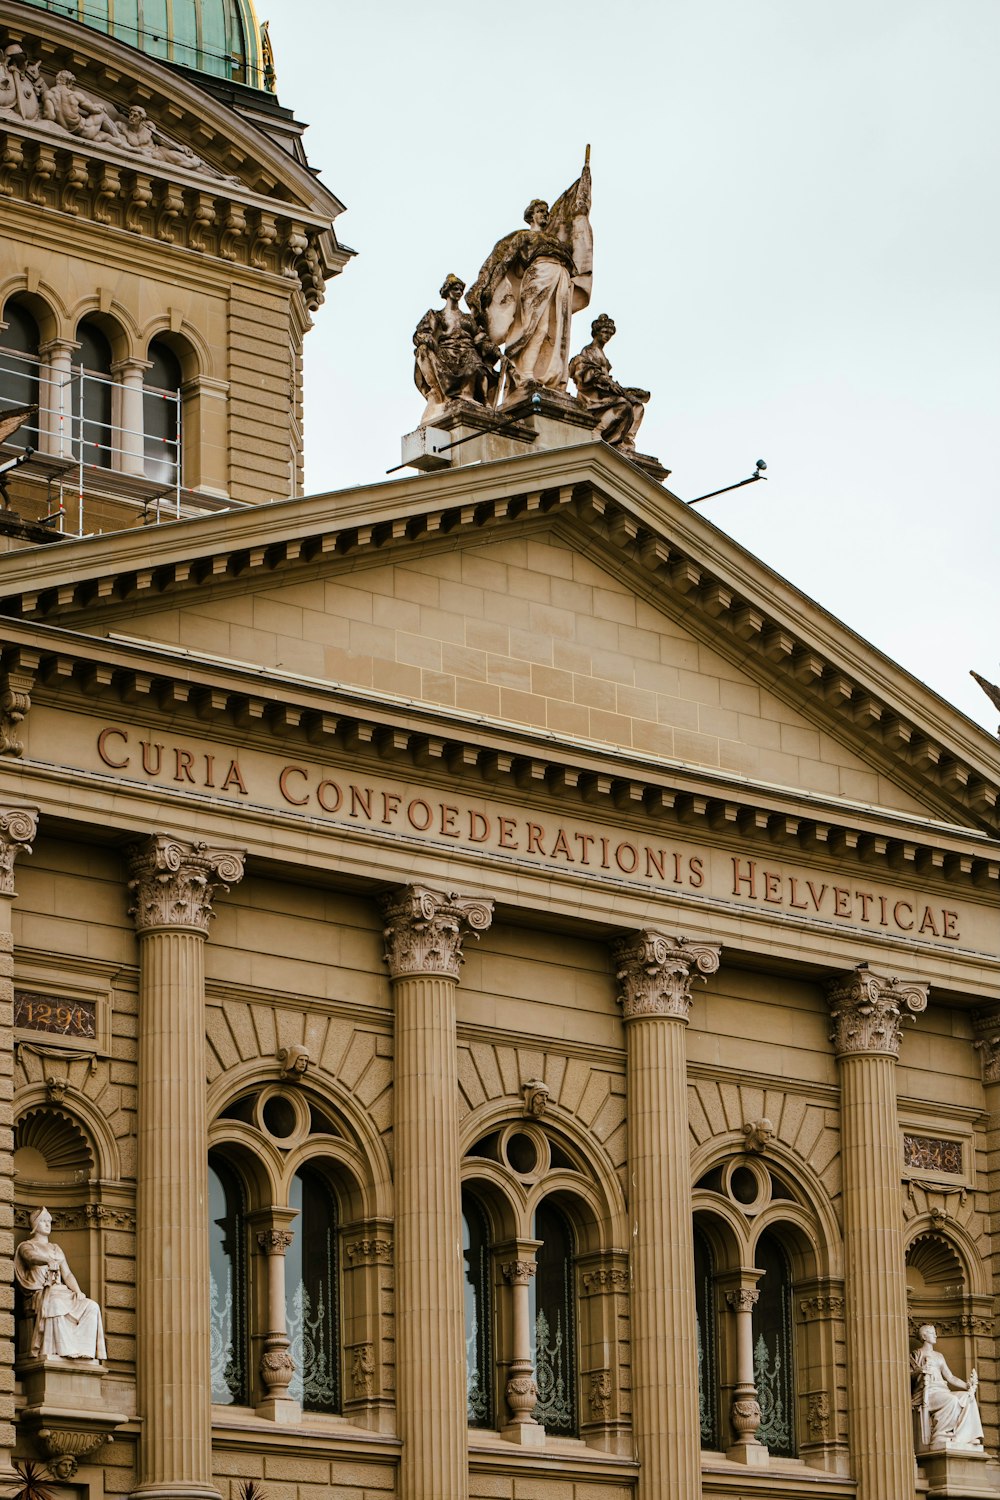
(312, 1291)
(478, 1312)
(773, 1359)
(19, 371)
(227, 1285)
(93, 396)
(554, 1316)
(708, 1369)
(160, 413)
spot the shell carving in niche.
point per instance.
(50, 1146)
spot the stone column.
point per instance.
(277, 1367)
(127, 420)
(656, 973)
(424, 932)
(868, 1012)
(522, 1392)
(18, 826)
(745, 1413)
(172, 885)
(58, 398)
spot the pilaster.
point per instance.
(868, 1011)
(172, 887)
(424, 935)
(18, 826)
(656, 974)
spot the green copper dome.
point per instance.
(219, 37)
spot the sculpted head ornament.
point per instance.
(451, 281)
(536, 205)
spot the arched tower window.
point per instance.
(93, 396)
(312, 1291)
(228, 1291)
(476, 1250)
(708, 1369)
(19, 363)
(773, 1359)
(161, 428)
(554, 1316)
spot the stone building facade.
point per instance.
(499, 988)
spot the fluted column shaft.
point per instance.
(17, 829)
(656, 973)
(868, 1011)
(424, 933)
(172, 884)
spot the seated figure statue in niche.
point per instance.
(618, 408)
(66, 1324)
(453, 357)
(946, 1408)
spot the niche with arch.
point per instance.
(941, 1289)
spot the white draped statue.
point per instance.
(946, 1408)
(67, 1325)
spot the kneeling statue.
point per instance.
(67, 1325)
(946, 1407)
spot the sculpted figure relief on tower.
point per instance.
(454, 359)
(618, 408)
(62, 107)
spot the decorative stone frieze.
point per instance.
(818, 1412)
(599, 1395)
(425, 930)
(821, 1306)
(986, 1027)
(363, 1371)
(370, 1251)
(868, 1011)
(172, 882)
(18, 826)
(743, 1299)
(656, 973)
(595, 1283)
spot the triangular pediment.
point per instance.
(563, 596)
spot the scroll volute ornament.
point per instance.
(424, 930)
(656, 972)
(868, 1011)
(172, 883)
(18, 826)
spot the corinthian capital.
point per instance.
(424, 929)
(18, 826)
(868, 1011)
(656, 973)
(172, 882)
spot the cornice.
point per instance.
(669, 553)
(147, 684)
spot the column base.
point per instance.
(960, 1474)
(280, 1409)
(753, 1454)
(180, 1490)
(525, 1434)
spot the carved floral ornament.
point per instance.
(18, 826)
(986, 1026)
(868, 1011)
(172, 883)
(425, 929)
(656, 972)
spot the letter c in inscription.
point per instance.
(904, 926)
(287, 771)
(102, 742)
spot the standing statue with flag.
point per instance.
(532, 283)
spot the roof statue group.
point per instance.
(515, 338)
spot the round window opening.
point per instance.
(280, 1119)
(522, 1153)
(744, 1186)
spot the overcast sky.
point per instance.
(796, 223)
